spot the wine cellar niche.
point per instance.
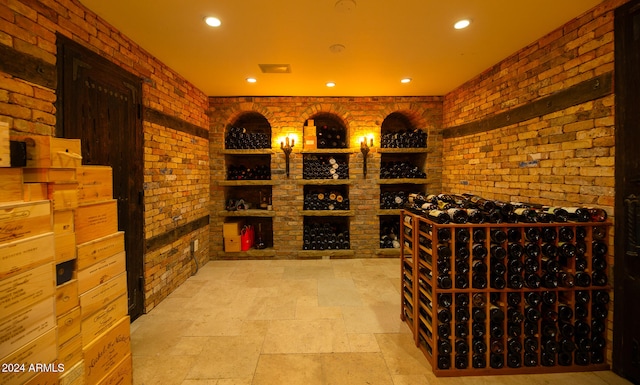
(248, 188)
(326, 233)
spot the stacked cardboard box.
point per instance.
(88, 337)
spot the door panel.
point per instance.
(100, 104)
(626, 347)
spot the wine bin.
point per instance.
(506, 298)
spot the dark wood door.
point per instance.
(100, 103)
(626, 348)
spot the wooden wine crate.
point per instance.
(63, 222)
(23, 220)
(49, 175)
(5, 149)
(25, 325)
(101, 272)
(42, 349)
(96, 250)
(64, 196)
(66, 297)
(25, 254)
(44, 378)
(70, 352)
(22, 290)
(73, 375)
(65, 247)
(96, 221)
(95, 184)
(103, 319)
(11, 189)
(105, 353)
(50, 152)
(94, 299)
(69, 325)
(122, 374)
(34, 192)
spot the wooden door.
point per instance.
(626, 347)
(100, 103)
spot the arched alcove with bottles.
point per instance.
(403, 157)
(248, 185)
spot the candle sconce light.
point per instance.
(365, 147)
(287, 147)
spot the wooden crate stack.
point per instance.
(75, 253)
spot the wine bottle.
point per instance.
(599, 249)
(565, 234)
(532, 250)
(514, 235)
(514, 360)
(601, 297)
(498, 236)
(444, 300)
(461, 347)
(530, 359)
(578, 214)
(462, 330)
(444, 362)
(444, 347)
(462, 299)
(478, 361)
(462, 314)
(532, 234)
(461, 361)
(479, 235)
(444, 330)
(438, 216)
(462, 281)
(599, 233)
(548, 234)
(463, 235)
(525, 214)
(514, 250)
(532, 314)
(549, 250)
(496, 361)
(444, 282)
(513, 299)
(478, 329)
(582, 279)
(498, 252)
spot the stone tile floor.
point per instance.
(289, 322)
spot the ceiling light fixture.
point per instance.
(331, 84)
(345, 5)
(212, 21)
(405, 80)
(251, 80)
(336, 48)
(462, 24)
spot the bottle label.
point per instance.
(435, 213)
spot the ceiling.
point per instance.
(384, 41)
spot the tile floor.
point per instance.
(307, 322)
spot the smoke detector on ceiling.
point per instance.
(345, 5)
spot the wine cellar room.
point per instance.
(419, 205)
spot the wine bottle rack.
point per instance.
(485, 299)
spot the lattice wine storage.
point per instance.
(507, 298)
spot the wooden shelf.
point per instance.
(247, 213)
(260, 151)
(324, 181)
(381, 212)
(327, 213)
(330, 151)
(404, 150)
(326, 253)
(404, 181)
(246, 182)
(391, 253)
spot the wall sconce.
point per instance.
(364, 148)
(287, 148)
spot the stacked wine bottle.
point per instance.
(331, 137)
(404, 139)
(390, 234)
(325, 236)
(325, 200)
(238, 138)
(324, 167)
(505, 293)
(400, 169)
(241, 172)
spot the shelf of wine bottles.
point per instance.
(238, 138)
(325, 167)
(321, 234)
(326, 198)
(506, 298)
(401, 169)
(404, 139)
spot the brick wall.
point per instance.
(561, 158)
(176, 182)
(287, 115)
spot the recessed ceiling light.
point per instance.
(251, 80)
(336, 48)
(405, 80)
(462, 24)
(212, 21)
(331, 84)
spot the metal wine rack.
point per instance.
(477, 330)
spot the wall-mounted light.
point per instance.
(365, 147)
(287, 147)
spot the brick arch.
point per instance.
(335, 109)
(415, 114)
(246, 108)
